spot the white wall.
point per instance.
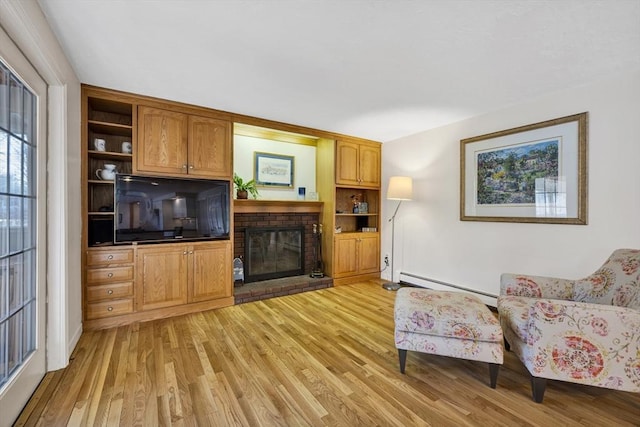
(432, 242)
(27, 26)
(244, 148)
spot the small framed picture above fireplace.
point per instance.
(273, 170)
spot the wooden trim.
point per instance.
(160, 313)
(275, 206)
(150, 101)
(355, 279)
(273, 135)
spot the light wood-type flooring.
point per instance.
(320, 358)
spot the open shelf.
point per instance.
(110, 155)
(98, 181)
(101, 213)
(112, 121)
(110, 128)
(350, 222)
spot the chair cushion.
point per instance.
(481, 351)
(514, 314)
(445, 314)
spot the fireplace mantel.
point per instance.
(276, 206)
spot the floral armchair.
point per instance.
(584, 331)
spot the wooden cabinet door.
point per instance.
(345, 250)
(210, 154)
(368, 253)
(161, 276)
(369, 165)
(357, 164)
(210, 273)
(162, 141)
(347, 163)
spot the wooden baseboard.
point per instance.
(160, 313)
(355, 279)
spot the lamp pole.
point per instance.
(400, 188)
(393, 286)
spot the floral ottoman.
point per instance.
(451, 324)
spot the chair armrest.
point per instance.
(548, 310)
(536, 286)
(620, 326)
(586, 343)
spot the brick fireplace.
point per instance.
(259, 213)
(273, 252)
(305, 220)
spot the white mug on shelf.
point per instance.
(126, 147)
(100, 144)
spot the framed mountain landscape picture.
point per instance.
(533, 173)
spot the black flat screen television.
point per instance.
(149, 209)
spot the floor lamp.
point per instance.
(400, 188)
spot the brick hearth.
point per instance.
(266, 289)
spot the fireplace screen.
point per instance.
(273, 252)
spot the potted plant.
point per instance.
(243, 188)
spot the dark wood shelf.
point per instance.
(110, 155)
(99, 181)
(110, 128)
(101, 213)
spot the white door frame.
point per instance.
(15, 394)
(27, 26)
(25, 23)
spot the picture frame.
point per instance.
(530, 174)
(273, 170)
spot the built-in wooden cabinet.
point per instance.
(357, 211)
(352, 209)
(141, 135)
(137, 282)
(109, 289)
(162, 142)
(210, 265)
(174, 143)
(175, 274)
(358, 163)
(161, 276)
(356, 254)
(210, 151)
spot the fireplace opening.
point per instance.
(273, 252)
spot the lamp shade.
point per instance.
(400, 188)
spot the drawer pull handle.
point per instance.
(110, 257)
(109, 308)
(110, 275)
(110, 291)
(184, 253)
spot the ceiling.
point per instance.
(377, 69)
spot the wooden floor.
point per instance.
(321, 358)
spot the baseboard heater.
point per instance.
(425, 282)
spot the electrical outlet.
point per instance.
(386, 260)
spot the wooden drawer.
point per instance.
(115, 256)
(109, 291)
(109, 275)
(117, 307)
